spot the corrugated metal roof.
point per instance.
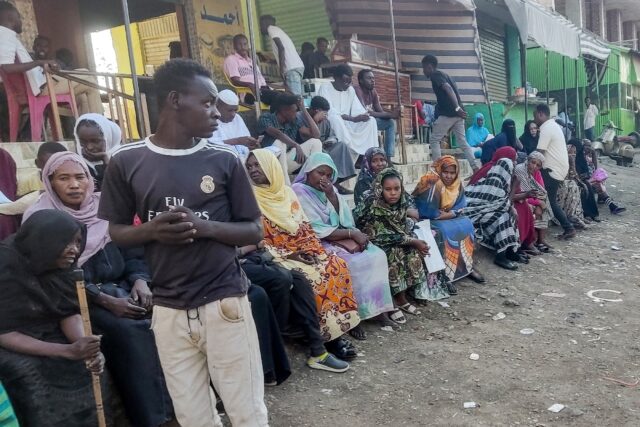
(422, 26)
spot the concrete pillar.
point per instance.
(596, 17)
(574, 11)
(630, 33)
(614, 25)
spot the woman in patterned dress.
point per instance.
(383, 217)
(290, 239)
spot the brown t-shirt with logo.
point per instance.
(209, 179)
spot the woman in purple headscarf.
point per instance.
(118, 286)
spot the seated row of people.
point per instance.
(317, 270)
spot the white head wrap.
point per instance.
(229, 97)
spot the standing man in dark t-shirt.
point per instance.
(449, 112)
(196, 205)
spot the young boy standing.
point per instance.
(196, 205)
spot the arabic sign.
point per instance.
(217, 21)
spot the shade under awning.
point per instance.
(100, 15)
(545, 27)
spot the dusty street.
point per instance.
(422, 374)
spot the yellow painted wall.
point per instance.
(256, 22)
(122, 57)
(215, 37)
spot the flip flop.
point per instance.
(410, 309)
(543, 248)
(398, 317)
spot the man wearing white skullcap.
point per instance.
(232, 130)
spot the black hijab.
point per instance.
(582, 167)
(529, 142)
(33, 290)
(509, 130)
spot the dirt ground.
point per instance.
(422, 374)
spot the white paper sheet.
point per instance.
(433, 261)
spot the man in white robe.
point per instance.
(349, 119)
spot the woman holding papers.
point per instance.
(439, 197)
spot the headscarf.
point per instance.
(321, 213)
(97, 229)
(377, 189)
(582, 167)
(529, 142)
(506, 138)
(34, 290)
(501, 153)
(110, 131)
(527, 181)
(277, 201)
(375, 206)
(509, 130)
(314, 162)
(448, 193)
(477, 134)
(366, 176)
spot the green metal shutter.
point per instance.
(495, 62)
(302, 20)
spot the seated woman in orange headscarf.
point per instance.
(439, 197)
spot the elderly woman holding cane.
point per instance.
(44, 352)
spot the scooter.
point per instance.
(619, 148)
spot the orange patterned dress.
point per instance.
(329, 277)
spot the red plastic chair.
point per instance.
(20, 96)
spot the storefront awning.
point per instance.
(554, 32)
(591, 46)
(545, 27)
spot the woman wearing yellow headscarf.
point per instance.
(290, 239)
(439, 197)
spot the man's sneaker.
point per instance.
(327, 362)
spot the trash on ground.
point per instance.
(387, 328)
(474, 356)
(511, 303)
(499, 316)
(616, 248)
(469, 405)
(595, 298)
(553, 295)
(527, 331)
(556, 407)
(622, 383)
(444, 304)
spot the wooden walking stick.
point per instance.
(78, 276)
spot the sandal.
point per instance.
(532, 251)
(398, 317)
(410, 309)
(543, 248)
